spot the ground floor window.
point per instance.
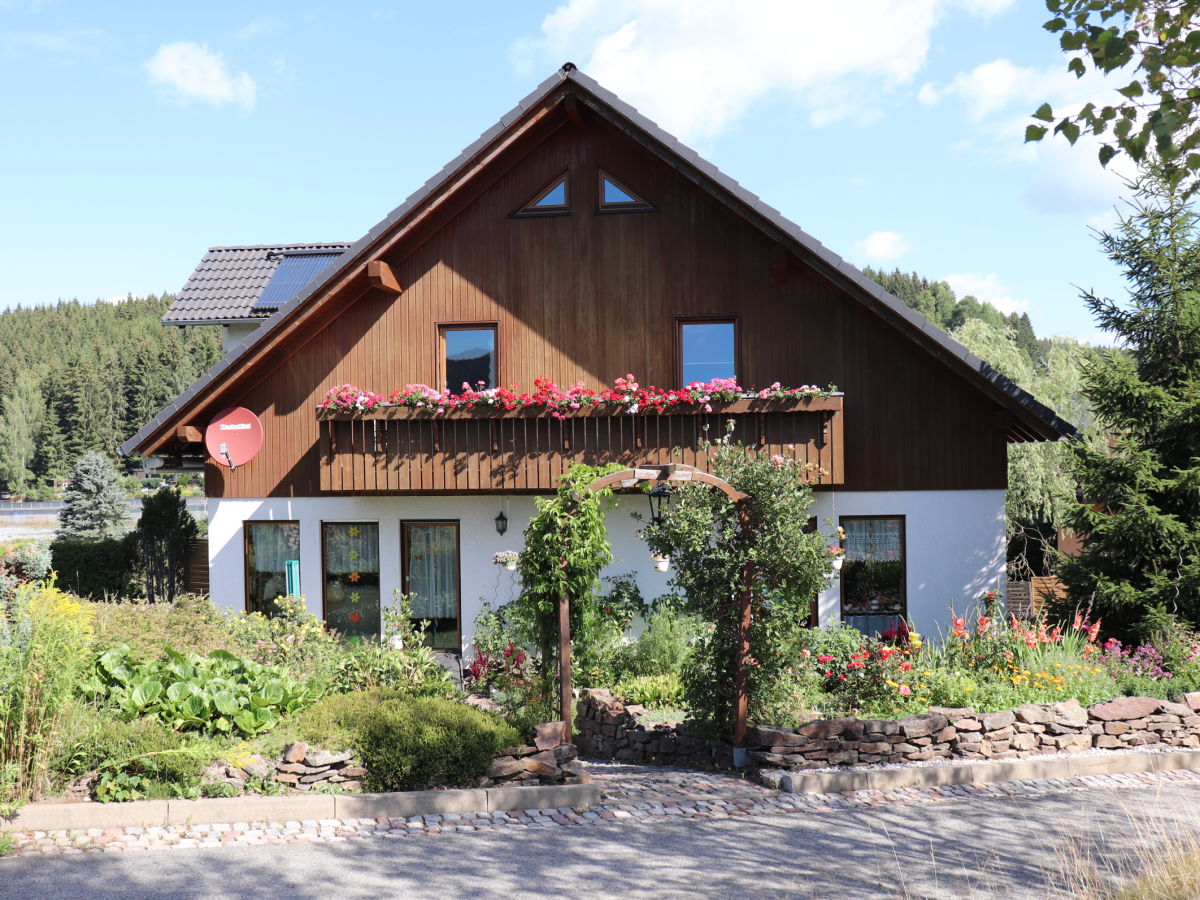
(429, 554)
(272, 563)
(874, 598)
(350, 559)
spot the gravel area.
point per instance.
(633, 795)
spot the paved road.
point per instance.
(973, 848)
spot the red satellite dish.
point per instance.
(233, 437)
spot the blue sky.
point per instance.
(139, 134)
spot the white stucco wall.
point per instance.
(954, 544)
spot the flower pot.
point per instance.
(511, 566)
(661, 563)
(837, 563)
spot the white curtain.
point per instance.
(433, 570)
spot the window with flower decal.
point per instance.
(874, 596)
(351, 569)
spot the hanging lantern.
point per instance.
(501, 523)
(659, 498)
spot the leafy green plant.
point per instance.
(292, 639)
(218, 789)
(220, 693)
(659, 691)
(663, 647)
(402, 660)
(117, 786)
(7, 843)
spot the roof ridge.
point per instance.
(330, 244)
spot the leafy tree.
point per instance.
(1158, 114)
(1141, 560)
(95, 505)
(163, 540)
(1041, 484)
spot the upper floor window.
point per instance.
(468, 356)
(615, 197)
(551, 200)
(707, 350)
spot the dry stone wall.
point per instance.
(549, 760)
(608, 728)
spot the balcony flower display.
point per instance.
(626, 393)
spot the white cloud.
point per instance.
(882, 246)
(257, 27)
(194, 71)
(696, 66)
(987, 288)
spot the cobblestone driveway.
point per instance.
(641, 795)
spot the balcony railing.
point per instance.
(402, 450)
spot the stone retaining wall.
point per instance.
(302, 768)
(608, 728)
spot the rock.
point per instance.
(996, 721)
(1177, 709)
(351, 785)
(1115, 727)
(259, 767)
(549, 735)
(542, 763)
(922, 725)
(327, 757)
(235, 773)
(1125, 708)
(1001, 734)
(505, 767)
(353, 771)
(774, 737)
(287, 778)
(944, 736)
(1033, 714)
(843, 757)
(565, 751)
(777, 760)
(1192, 700)
(295, 753)
(319, 776)
(822, 729)
(292, 768)
(953, 712)
(479, 701)
(519, 750)
(852, 729)
(875, 747)
(967, 725)
(880, 726)
(772, 778)
(1024, 741)
(1068, 712)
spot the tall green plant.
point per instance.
(95, 505)
(566, 548)
(45, 641)
(164, 537)
(709, 548)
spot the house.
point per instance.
(576, 241)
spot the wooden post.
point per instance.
(565, 699)
(743, 650)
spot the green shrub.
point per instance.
(45, 646)
(220, 693)
(659, 691)
(663, 647)
(132, 759)
(292, 639)
(408, 743)
(96, 569)
(148, 629)
(369, 666)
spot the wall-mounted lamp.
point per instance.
(659, 497)
(501, 523)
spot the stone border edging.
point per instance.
(985, 772)
(144, 813)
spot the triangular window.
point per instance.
(551, 200)
(615, 196)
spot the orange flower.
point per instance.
(354, 577)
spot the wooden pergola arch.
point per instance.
(677, 473)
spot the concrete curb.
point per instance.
(148, 813)
(986, 772)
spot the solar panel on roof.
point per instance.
(295, 271)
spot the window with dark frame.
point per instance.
(429, 553)
(874, 574)
(552, 200)
(468, 356)
(350, 568)
(707, 350)
(616, 197)
(272, 555)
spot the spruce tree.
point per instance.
(95, 504)
(1141, 488)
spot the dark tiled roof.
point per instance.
(1048, 424)
(228, 280)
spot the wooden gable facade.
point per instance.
(589, 294)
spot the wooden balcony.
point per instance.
(401, 450)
